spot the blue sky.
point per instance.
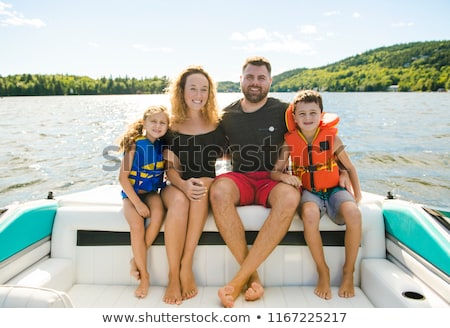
(138, 38)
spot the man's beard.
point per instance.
(255, 97)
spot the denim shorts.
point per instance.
(329, 202)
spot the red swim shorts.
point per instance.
(254, 187)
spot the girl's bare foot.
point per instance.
(347, 289)
(323, 289)
(173, 293)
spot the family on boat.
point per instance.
(285, 157)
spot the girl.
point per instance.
(141, 177)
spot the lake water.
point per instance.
(399, 142)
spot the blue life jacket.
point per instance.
(147, 171)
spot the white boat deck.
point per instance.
(86, 264)
(104, 296)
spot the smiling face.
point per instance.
(156, 125)
(307, 117)
(196, 91)
(255, 83)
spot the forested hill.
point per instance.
(418, 66)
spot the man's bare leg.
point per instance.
(284, 200)
(224, 196)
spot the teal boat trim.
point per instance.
(415, 228)
(24, 226)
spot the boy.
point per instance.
(314, 149)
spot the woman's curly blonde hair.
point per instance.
(136, 129)
(179, 107)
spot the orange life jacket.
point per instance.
(315, 163)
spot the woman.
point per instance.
(195, 142)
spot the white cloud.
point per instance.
(258, 34)
(12, 18)
(332, 13)
(236, 36)
(262, 40)
(308, 29)
(356, 15)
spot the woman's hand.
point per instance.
(195, 189)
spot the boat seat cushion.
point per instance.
(32, 297)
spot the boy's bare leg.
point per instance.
(352, 217)
(310, 214)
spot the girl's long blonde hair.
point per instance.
(179, 107)
(136, 129)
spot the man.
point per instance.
(255, 126)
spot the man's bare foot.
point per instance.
(347, 289)
(323, 289)
(173, 293)
(254, 292)
(142, 289)
(188, 285)
(226, 296)
(134, 271)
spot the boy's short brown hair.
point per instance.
(308, 96)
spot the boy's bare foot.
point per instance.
(226, 296)
(173, 293)
(142, 289)
(134, 272)
(323, 289)
(254, 292)
(347, 289)
(188, 285)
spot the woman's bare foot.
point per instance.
(226, 296)
(347, 289)
(188, 285)
(134, 271)
(142, 289)
(323, 289)
(173, 293)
